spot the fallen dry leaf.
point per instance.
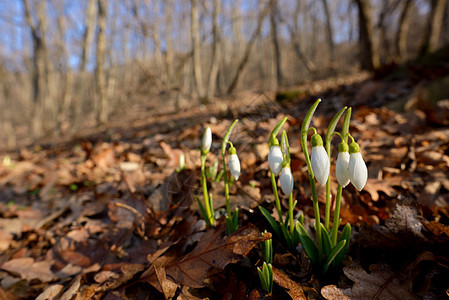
(28, 269)
(168, 287)
(214, 251)
(380, 283)
(291, 287)
(51, 292)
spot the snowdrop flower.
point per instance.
(319, 160)
(286, 180)
(358, 173)
(206, 141)
(234, 163)
(342, 167)
(275, 158)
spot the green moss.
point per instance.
(287, 96)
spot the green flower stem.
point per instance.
(316, 208)
(226, 181)
(290, 213)
(328, 138)
(336, 220)
(327, 211)
(277, 202)
(207, 204)
(225, 175)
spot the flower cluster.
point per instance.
(350, 165)
(279, 163)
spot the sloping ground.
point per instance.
(108, 216)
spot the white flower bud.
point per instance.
(342, 167)
(275, 160)
(286, 179)
(319, 160)
(206, 141)
(358, 172)
(234, 166)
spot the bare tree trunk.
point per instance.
(295, 39)
(197, 69)
(275, 41)
(216, 53)
(249, 47)
(433, 27)
(89, 28)
(66, 74)
(168, 13)
(385, 52)
(88, 36)
(330, 33)
(102, 112)
(6, 124)
(40, 70)
(402, 32)
(369, 57)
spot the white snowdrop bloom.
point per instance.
(342, 166)
(206, 141)
(275, 160)
(358, 172)
(319, 160)
(286, 179)
(234, 166)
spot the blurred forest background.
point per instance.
(67, 65)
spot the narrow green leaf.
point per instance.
(288, 237)
(337, 249)
(308, 244)
(226, 137)
(203, 212)
(333, 124)
(285, 146)
(271, 220)
(308, 118)
(262, 279)
(327, 245)
(345, 236)
(276, 129)
(346, 121)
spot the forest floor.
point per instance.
(108, 215)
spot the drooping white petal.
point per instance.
(275, 160)
(206, 142)
(320, 164)
(342, 168)
(234, 166)
(286, 179)
(358, 172)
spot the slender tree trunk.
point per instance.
(6, 124)
(197, 69)
(168, 13)
(369, 57)
(216, 53)
(400, 41)
(89, 29)
(40, 68)
(66, 74)
(100, 76)
(88, 38)
(275, 42)
(433, 27)
(249, 47)
(295, 39)
(329, 33)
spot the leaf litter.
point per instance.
(111, 218)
